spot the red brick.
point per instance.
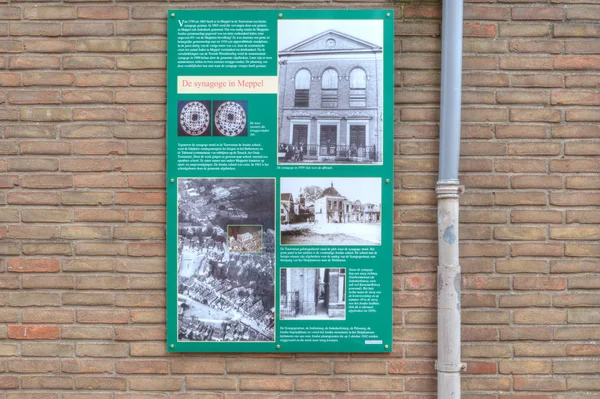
(32, 198)
(142, 367)
(536, 46)
(33, 332)
(98, 180)
(33, 62)
(155, 384)
(98, 114)
(531, 249)
(411, 367)
(33, 265)
(34, 29)
(9, 382)
(148, 198)
(525, 63)
(103, 12)
(429, 12)
(49, 46)
(87, 97)
(105, 79)
(539, 384)
(568, 62)
(33, 97)
(321, 384)
(472, 29)
(87, 366)
(88, 28)
(47, 78)
(554, 13)
(10, 79)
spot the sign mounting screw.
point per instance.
(388, 15)
(280, 15)
(387, 181)
(172, 180)
(172, 346)
(278, 346)
(387, 347)
(173, 15)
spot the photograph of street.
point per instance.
(312, 294)
(226, 294)
(330, 211)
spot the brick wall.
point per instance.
(82, 215)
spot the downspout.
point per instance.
(447, 190)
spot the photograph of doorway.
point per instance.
(312, 293)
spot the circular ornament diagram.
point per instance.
(230, 118)
(194, 118)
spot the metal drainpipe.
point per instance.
(447, 190)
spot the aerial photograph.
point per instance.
(226, 259)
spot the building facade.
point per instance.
(286, 208)
(330, 96)
(291, 211)
(333, 207)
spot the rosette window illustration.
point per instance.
(194, 118)
(231, 118)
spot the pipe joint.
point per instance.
(450, 367)
(448, 189)
(448, 267)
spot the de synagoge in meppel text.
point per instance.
(330, 97)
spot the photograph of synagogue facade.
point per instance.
(330, 215)
(330, 96)
(312, 293)
(226, 271)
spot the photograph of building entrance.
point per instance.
(330, 211)
(330, 91)
(312, 293)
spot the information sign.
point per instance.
(280, 180)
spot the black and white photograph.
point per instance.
(330, 211)
(194, 118)
(244, 238)
(330, 102)
(225, 295)
(231, 118)
(312, 294)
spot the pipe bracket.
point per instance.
(450, 367)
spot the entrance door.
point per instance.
(300, 136)
(357, 140)
(328, 139)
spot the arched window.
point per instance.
(329, 89)
(329, 80)
(302, 85)
(358, 88)
(358, 79)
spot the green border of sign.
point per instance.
(385, 172)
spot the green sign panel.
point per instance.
(280, 170)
